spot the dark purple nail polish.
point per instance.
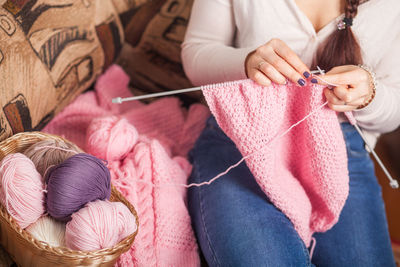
(306, 74)
(301, 82)
(313, 80)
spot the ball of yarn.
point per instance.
(22, 190)
(50, 152)
(48, 230)
(78, 180)
(110, 138)
(101, 224)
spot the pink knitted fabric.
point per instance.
(303, 173)
(164, 119)
(165, 236)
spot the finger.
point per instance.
(284, 68)
(272, 73)
(341, 108)
(346, 78)
(348, 95)
(342, 69)
(332, 98)
(259, 77)
(357, 102)
(339, 105)
(284, 51)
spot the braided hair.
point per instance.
(341, 47)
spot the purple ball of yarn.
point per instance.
(80, 179)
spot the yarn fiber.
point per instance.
(22, 190)
(45, 154)
(80, 179)
(304, 173)
(110, 138)
(100, 224)
(48, 230)
(163, 119)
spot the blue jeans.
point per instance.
(237, 225)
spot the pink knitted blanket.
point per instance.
(164, 119)
(165, 236)
(304, 173)
(167, 133)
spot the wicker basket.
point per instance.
(25, 250)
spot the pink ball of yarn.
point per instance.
(110, 138)
(100, 224)
(22, 190)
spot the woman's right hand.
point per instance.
(276, 62)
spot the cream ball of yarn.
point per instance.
(48, 230)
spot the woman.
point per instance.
(275, 41)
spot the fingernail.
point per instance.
(266, 83)
(313, 80)
(301, 82)
(306, 74)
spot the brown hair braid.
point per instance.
(341, 47)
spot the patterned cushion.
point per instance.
(50, 51)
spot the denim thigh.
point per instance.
(237, 225)
(361, 237)
(234, 221)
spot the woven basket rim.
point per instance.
(120, 247)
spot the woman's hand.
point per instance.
(354, 87)
(275, 62)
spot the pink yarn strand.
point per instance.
(242, 159)
(348, 114)
(45, 173)
(314, 243)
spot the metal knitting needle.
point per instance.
(393, 183)
(119, 100)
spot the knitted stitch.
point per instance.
(164, 119)
(165, 236)
(304, 173)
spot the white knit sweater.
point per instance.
(222, 32)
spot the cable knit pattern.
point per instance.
(303, 173)
(166, 133)
(165, 236)
(138, 166)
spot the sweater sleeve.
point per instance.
(208, 52)
(383, 113)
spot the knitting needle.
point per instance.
(119, 100)
(393, 183)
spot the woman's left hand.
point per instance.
(354, 88)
